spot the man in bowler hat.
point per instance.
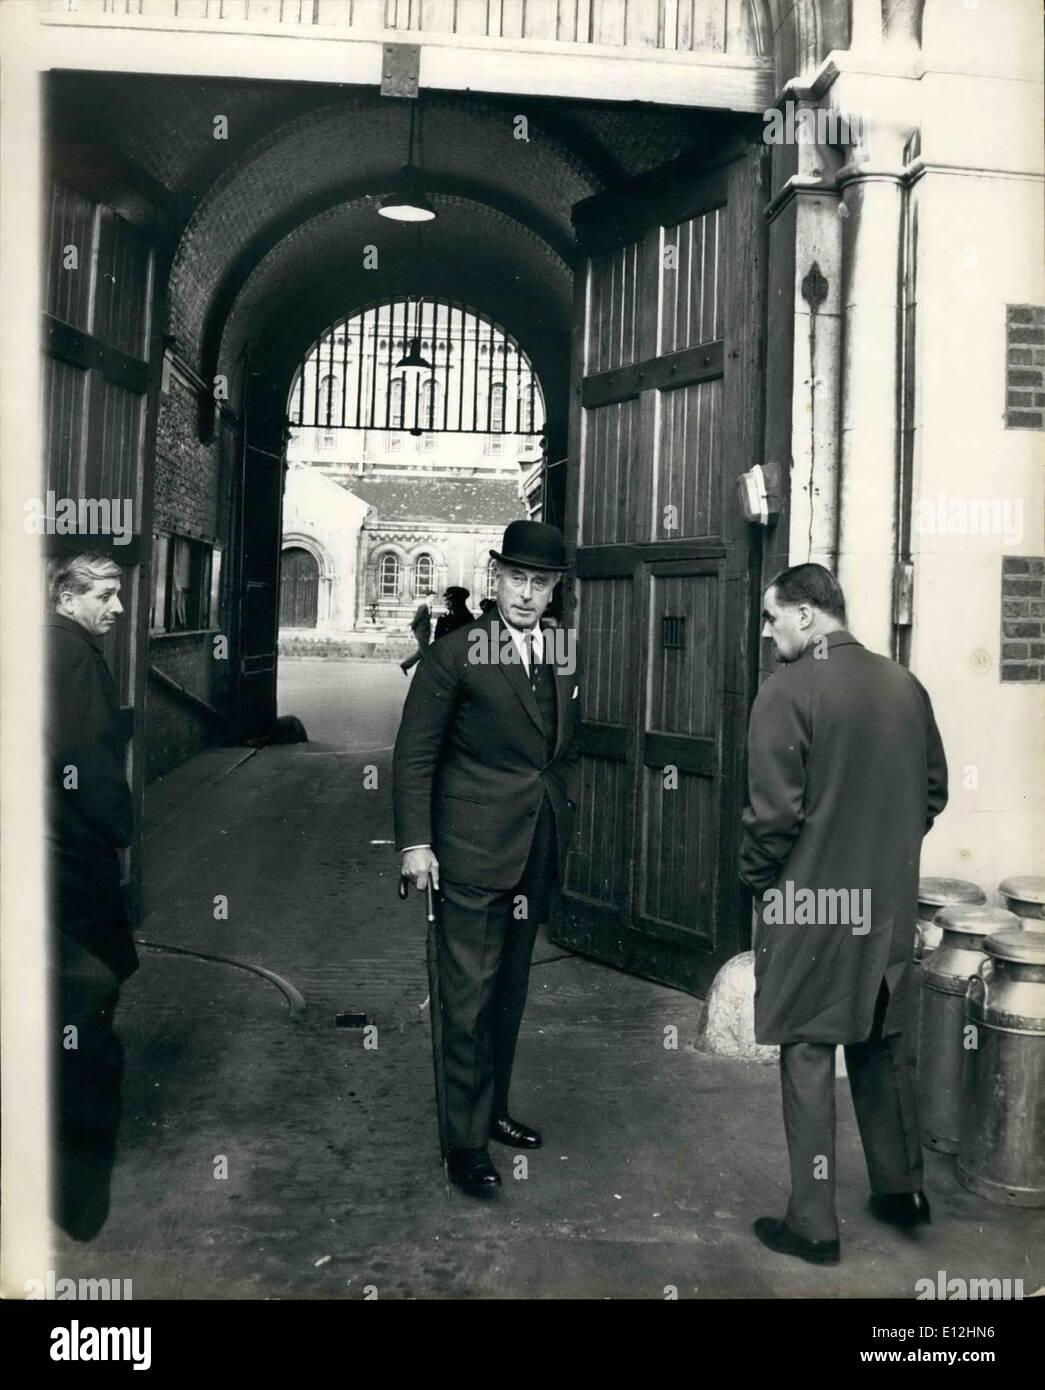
(846, 775)
(483, 811)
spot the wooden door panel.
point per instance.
(678, 879)
(599, 864)
(65, 426)
(667, 410)
(615, 323)
(615, 471)
(684, 696)
(693, 281)
(605, 638)
(688, 474)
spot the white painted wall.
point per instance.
(980, 247)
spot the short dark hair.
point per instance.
(810, 584)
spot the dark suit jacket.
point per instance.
(846, 774)
(87, 824)
(421, 624)
(470, 766)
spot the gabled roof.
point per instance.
(457, 501)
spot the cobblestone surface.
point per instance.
(655, 1161)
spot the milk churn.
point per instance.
(934, 893)
(1001, 1146)
(946, 973)
(1024, 895)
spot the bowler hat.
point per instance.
(533, 544)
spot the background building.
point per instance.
(435, 454)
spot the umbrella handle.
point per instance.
(403, 890)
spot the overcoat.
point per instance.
(421, 624)
(471, 764)
(846, 773)
(89, 807)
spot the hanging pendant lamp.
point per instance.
(407, 201)
(414, 359)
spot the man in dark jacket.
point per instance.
(483, 811)
(421, 627)
(457, 614)
(89, 819)
(846, 774)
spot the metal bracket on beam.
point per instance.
(400, 69)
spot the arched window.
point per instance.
(491, 579)
(430, 401)
(526, 413)
(348, 379)
(424, 575)
(395, 403)
(497, 408)
(329, 400)
(388, 576)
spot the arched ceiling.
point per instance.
(267, 228)
(471, 252)
(351, 150)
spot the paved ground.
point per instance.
(655, 1161)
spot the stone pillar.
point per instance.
(803, 346)
(870, 425)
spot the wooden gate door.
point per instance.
(667, 410)
(102, 347)
(298, 589)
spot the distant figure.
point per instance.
(486, 605)
(457, 611)
(421, 627)
(89, 820)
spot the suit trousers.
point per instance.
(881, 1082)
(483, 951)
(422, 643)
(86, 1071)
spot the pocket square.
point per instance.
(574, 695)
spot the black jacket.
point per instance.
(470, 763)
(89, 808)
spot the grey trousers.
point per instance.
(881, 1082)
(483, 952)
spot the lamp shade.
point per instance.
(415, 358)
(407, 201)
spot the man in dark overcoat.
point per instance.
(89, 820)
(483, 810)
(421, 627)
(846, 775)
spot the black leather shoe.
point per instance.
(519, 1136)
(778, 1236)
(472, 1171)
(903, 1209)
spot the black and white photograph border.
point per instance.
(524, 552)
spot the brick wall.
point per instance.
(175, 731)
(192, 499)
(1024, 366)
(1023, 618)
(188, 481)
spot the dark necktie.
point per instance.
(535, 666)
